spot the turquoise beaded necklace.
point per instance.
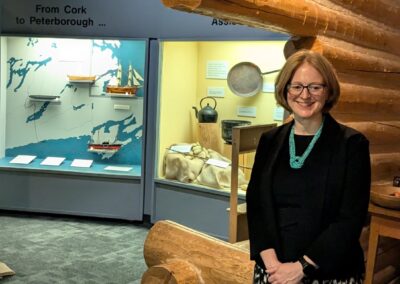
(296, 162)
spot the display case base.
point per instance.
(72, 195)
(197, 207)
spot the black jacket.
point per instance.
(336, 212)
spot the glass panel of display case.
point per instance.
(194, 147)
(75, 99)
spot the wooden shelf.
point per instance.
(117, 95)
(244, 140)
(81, 81)
(40, 98)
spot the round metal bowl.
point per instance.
(386, 196)
(227, 125)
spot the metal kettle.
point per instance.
(206, 114)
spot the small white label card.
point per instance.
(184, 148)
(120, 169)
(278, 113)
(217, 69)
(22, 159)
(80, 163)
(268, 87)
(217, 92)
(218, 163)
(52, 161)
(247, 111)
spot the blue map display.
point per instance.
(40, 65)
(21, 70)
(74, 147)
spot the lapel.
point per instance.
(325, 178)
(275, 143)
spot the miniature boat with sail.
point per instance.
(130, 88)
(104, 147)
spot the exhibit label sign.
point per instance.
(118, 18)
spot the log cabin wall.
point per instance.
(362, 40)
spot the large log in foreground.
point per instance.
(177, 254)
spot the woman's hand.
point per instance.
(270, 260)
(286, 273)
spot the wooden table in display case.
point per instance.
(384, 222)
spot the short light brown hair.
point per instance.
(320, 63)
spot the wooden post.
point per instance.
(372, 247)
(233, 202)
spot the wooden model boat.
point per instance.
(81, 78)
(104, 147)
(130, 90)
(131, 87)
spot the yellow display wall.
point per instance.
(183, 84)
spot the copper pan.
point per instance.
(245, 79)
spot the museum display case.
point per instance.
(197, 113)
(74, 105)
(72, 116)
(208, 108)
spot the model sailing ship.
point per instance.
(103, 147)
(132, 85)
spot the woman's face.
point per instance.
(306, 104)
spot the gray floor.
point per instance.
(57, 249)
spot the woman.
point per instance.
(308, 195)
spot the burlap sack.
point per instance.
(184, 167)
(218, 177)
(191, 168)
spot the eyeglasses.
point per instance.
(313, 89)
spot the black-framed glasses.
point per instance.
(313, 89)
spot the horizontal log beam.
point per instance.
(378, 132)
(384, 137)
(378, 80)
(357, 107)
(347, 56)
(376, 10)
(386, 148)
(345, 117)
(366, 99)
(299, 18)
(386, 275)
(385, 166)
